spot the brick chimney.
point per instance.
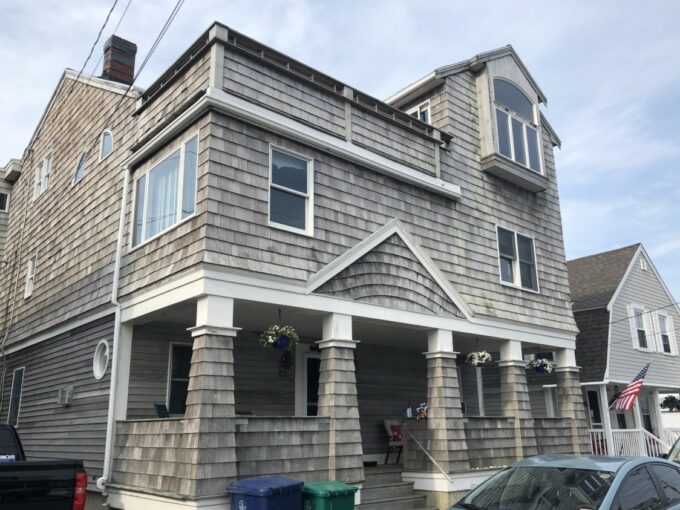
(119, 60)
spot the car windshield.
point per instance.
(541, 488)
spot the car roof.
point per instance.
(593, 462)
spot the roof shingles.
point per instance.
(593, 280)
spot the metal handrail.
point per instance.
(427, 454)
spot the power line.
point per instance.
(101, 54)
(106, 21)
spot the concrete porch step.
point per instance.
(383, 474)
(374, 492)
(399, 503)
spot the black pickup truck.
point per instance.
(38, 485)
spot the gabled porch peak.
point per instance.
(394, 227)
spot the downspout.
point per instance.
(110, 424)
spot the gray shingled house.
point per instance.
(627, 317)
(8, 176)
(155, 234)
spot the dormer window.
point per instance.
(421, 112)
(517, 130)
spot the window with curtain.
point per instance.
(166, 194)
(516, 127)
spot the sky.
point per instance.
(610, 70)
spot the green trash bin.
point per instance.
(328, 496)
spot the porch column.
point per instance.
(338, 399)
(209, 416)
(606, 418)
(446, 429)
(570, 399)
(515, 400)
(657, 419)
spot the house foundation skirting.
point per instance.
(132, 500)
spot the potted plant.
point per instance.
(279, 337)
(478, 358)
(542, 365)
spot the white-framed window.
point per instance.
(517, 260)
(30, 276)
(100, 360)
(179, 365)
(640, 328)
(42, 176)
(106, 145)
(421, 112)
(291, 191)
(80, 168)
(518, 136)
(4, 202)
(165, 195)
(666, 341)
(15, 396)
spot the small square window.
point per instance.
(421, 112)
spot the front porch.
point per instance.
(238, 409)
(628, 433)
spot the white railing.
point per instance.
(598, 441)
(671, 435)
(627, 443)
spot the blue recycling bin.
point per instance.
(266, 493)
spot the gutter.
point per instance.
(110, 423)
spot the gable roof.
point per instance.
(102, 83)
(594, 279)
(391, 228)
(475, 63)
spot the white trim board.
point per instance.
(129, 500)
(207, 279)
(392, 227)
(48, 333)
(437, 482)
(280, 124)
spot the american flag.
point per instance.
(627, 397)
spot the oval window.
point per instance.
(101, 359)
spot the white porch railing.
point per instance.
(671, 435)
(627, 443)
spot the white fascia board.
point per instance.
(275, 122)
(392, 227)
(219, 281)
(414, 89)
(631, 264)
(671, 299)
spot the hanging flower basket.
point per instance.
(279, 337)
(543, 365)
(478, 359)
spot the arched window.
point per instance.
(107, 144)
(516, 125)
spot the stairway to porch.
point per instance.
(383, 489)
